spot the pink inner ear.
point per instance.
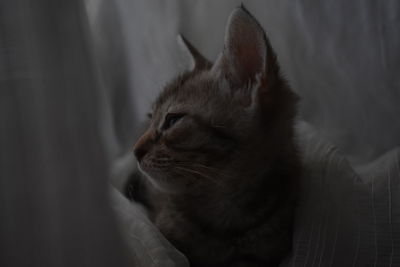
(247, 60)
(245, 46)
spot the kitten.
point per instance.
(219, 154)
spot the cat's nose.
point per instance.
(142, 146)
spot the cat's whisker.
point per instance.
(213, 175)
(218, 171)
(215, 171)
(227, 200)
(200, 174)
(193, 171)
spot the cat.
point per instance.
(219, 157)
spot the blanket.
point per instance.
(345, 217)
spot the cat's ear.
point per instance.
(198, 61)
(243, 60)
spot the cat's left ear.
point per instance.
(198, 61)
(245, 59)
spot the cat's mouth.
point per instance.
(149, 169)
(153, 169)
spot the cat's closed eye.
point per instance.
(171, 119)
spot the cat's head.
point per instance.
(220, 121)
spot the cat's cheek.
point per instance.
(182, 133)
(177, 141)
(187, 139)
(176, 135)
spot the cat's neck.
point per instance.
(236, 207)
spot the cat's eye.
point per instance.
(149, 115)
(171, 119)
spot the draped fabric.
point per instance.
(54, 208)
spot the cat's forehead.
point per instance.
(187, 89)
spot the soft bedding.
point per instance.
(345, 217)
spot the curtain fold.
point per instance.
(54, 206)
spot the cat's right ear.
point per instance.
(198, 61)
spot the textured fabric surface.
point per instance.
(345, 219)
(147, 244)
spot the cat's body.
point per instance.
(225, 230)
(219, 155)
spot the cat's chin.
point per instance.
(160, 181)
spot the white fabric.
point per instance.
(149, 248)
